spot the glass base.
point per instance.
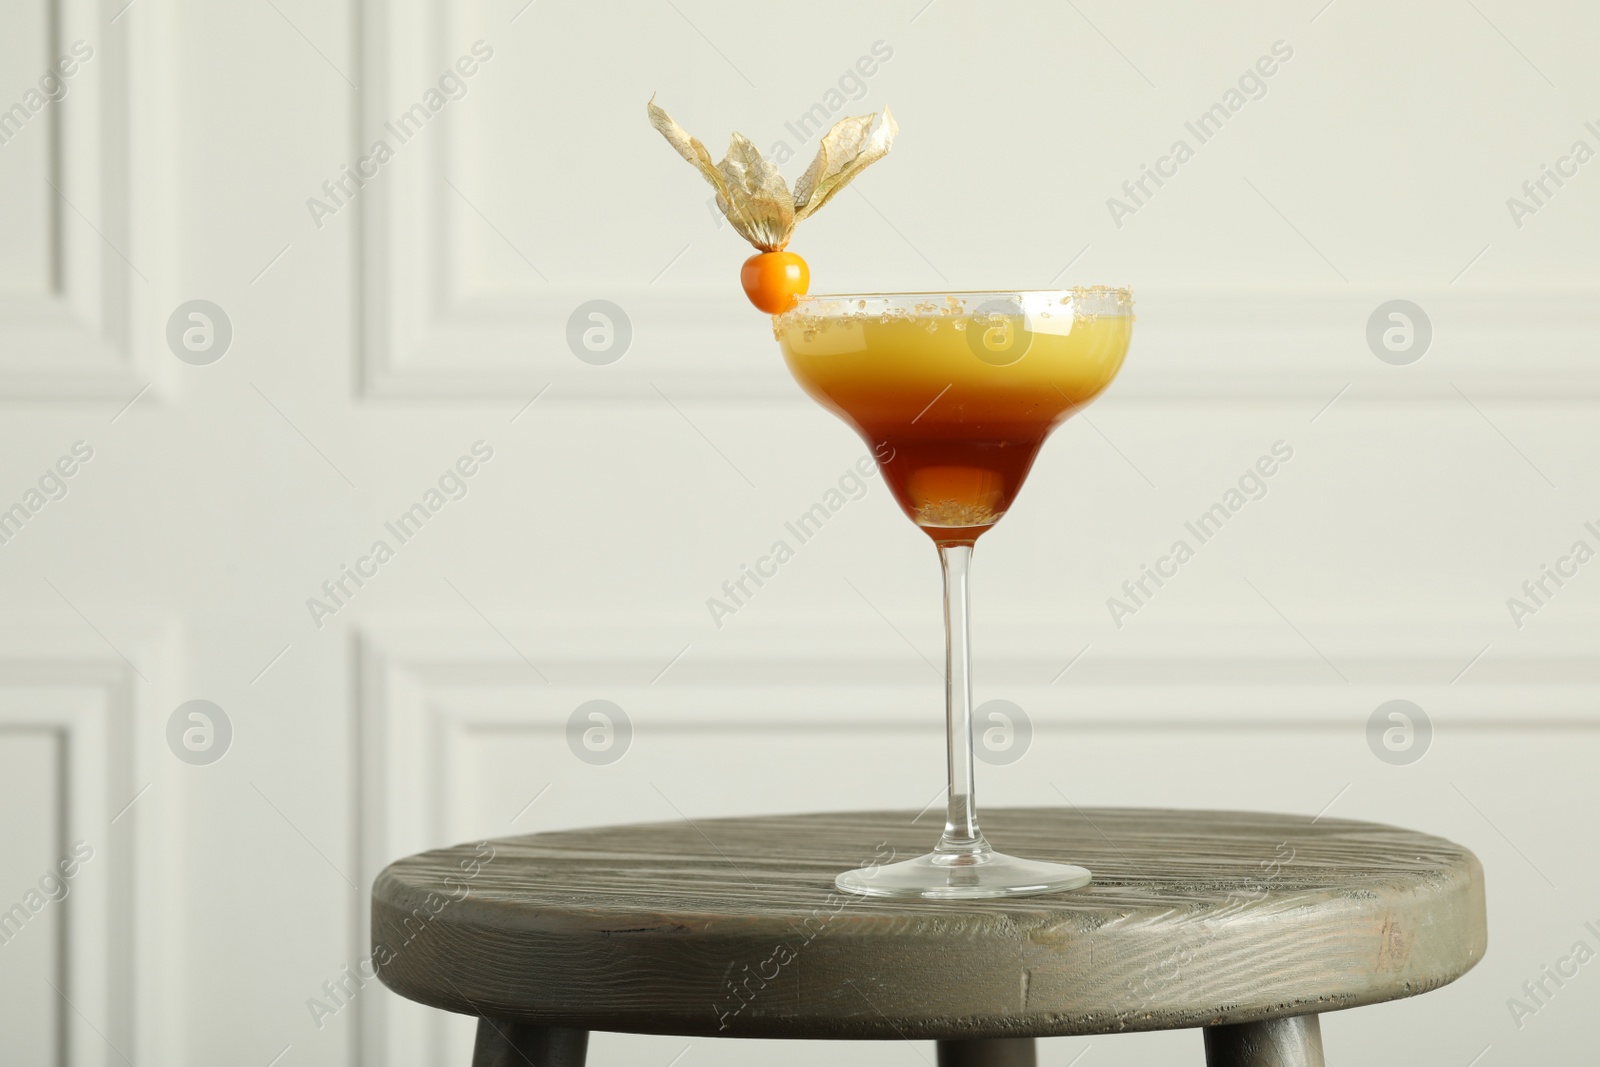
(963, 876)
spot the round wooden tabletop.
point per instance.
(732, 927)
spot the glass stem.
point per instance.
(961, 834)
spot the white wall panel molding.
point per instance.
(110, 961)
(83, 318)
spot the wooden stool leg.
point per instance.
(1291, 1042)
(993, 1052)
(513, 1045)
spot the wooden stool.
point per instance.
(1247, 925)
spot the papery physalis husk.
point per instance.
(754, 196)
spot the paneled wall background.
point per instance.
(381, 333)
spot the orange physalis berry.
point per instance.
(775, 280)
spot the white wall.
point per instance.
(370, 352)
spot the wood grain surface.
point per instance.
(732, 927)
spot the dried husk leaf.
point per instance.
(732, 203)
(849, 148)
(688, 147)
(755, 184)
(754, 196)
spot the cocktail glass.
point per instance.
(954, 393)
